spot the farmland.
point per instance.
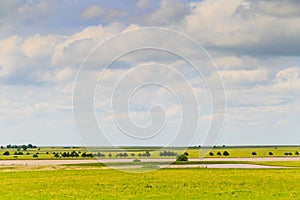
(94, 180)
(82, 182)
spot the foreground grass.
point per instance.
(160, 184)
(278, 163)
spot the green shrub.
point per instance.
(182, 157)
(226, 153)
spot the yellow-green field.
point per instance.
(97, 183)
(133, 152)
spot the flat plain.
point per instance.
(98, 183)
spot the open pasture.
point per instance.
(97, 183)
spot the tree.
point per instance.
(211, 153)
(182, 157)
(254, 153)
(167, 153)
(74, 154)
(147, 154)
(226, 153)
(270, 153)
(24, 147)
(64, 154)
(6, 153)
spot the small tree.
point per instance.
(182, 157)
(147, 154)
(254, 153)
(24, 147)
(226, 153)
(56, 155)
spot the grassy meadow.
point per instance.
(97, 183)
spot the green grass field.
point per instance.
(91, 183)
(48, 152)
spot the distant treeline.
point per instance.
(23, 146)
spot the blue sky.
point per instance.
(255, 45)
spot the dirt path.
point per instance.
(61, 162)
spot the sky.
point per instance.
(56, 88)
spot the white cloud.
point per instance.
(169, 12)
(242, 77)
(95, 12)
(231, 26)
(143, 4)
(40, 46)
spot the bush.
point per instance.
(167, 153)
(18, 153)
(270, 153)
(211, 153)
(254, 153)
(35, 156)
(182, 157)
(226, 153)
(6, 153)
(219, 153)
(296, 153)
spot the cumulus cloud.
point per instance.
(167, 13)
(277, 8)
(235, 27)
(97, 12)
